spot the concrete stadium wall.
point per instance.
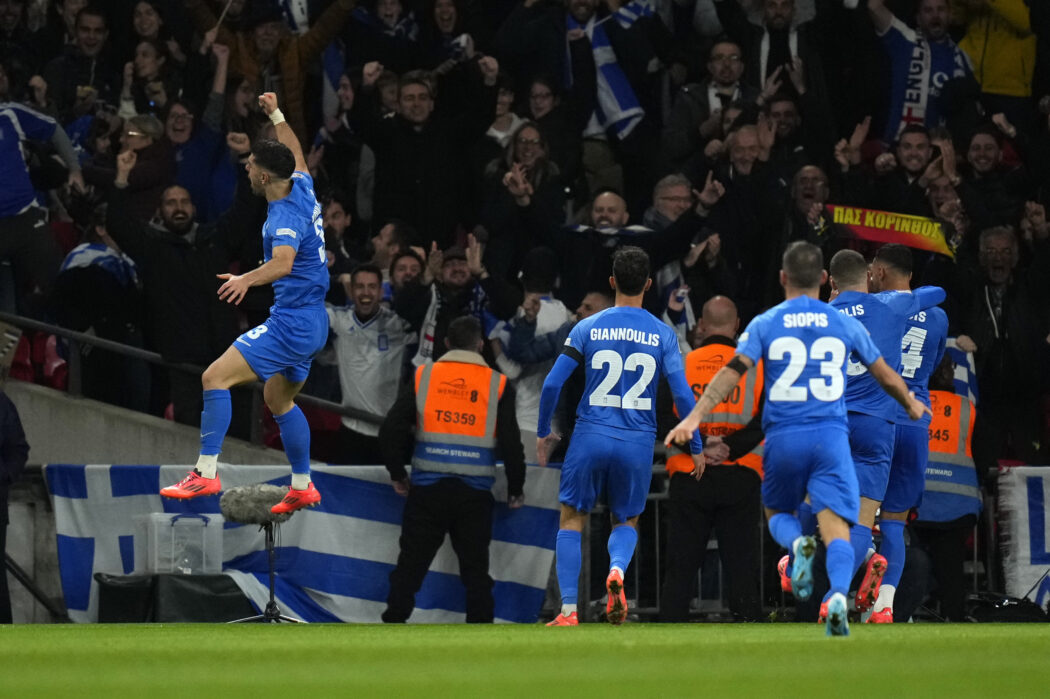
(62, 429)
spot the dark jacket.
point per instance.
(189, 322)
(72, 70)
(421, 174)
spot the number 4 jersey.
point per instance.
(804, 344)
(296, 221)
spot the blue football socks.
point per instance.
(215, 420)
(860, 540)
(295, 434)
(785, 528)
(840, 565)
(622, 541)
(568, 554)
(892, 548)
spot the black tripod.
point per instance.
(272, 613)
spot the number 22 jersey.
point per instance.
(805, 344)
(624, 351)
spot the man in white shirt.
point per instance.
(370, 342)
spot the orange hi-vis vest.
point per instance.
(951, 489)
(732, 414)
(456, 406)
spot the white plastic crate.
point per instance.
(186, 543)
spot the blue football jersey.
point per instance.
(922, 348)
(18, 123)
(884, 315)
(624, 352)
(805, 344)
(296, 221)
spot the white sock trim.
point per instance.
(567, 609)
(300, 481)
(208, 465)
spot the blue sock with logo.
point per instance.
(839, 563)
(785, 529)
(892, 548)
(860, 540)
(295, 435)
(569, 557)
(215, 420)
(622, 541)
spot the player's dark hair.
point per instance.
(803, 264)
(274, 157)
(896, 256)
(848, 268)
(403, 233)
(631, 270)
(463, 333)
(366, 268)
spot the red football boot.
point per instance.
(616, 607)
(562, 620)
(869, 585)
(296, 500)
(193, 485)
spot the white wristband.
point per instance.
(276, 117)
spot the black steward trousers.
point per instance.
(728, 500)
(465, 514)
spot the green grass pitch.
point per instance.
(636, 660)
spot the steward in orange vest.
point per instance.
(452, 420)
(737, 412)
(727, 499)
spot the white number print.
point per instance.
(255, 332)
(911, 351)
(632, 399)
(829, 351)
(319, 230)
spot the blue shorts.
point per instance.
(871, 444)
(911, 451)
(285, 343)
(814, 461)
(596, 464)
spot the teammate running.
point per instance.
(622, 349)
(804, 344)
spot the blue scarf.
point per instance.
(617, 106)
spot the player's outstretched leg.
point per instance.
(229, 370)
(622, 542)
(839, 562)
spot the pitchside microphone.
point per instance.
(251, 504)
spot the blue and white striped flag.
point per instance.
(965, 370)
(333, 561)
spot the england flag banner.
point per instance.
(1024, 502)
(333, 561)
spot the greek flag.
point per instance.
(333, 561)
(617, 105)
(965, 370)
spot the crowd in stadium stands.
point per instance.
(485, 157)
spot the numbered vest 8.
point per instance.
(456, 406)
(951, 489)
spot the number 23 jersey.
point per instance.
(624, 351)
(805, 344)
